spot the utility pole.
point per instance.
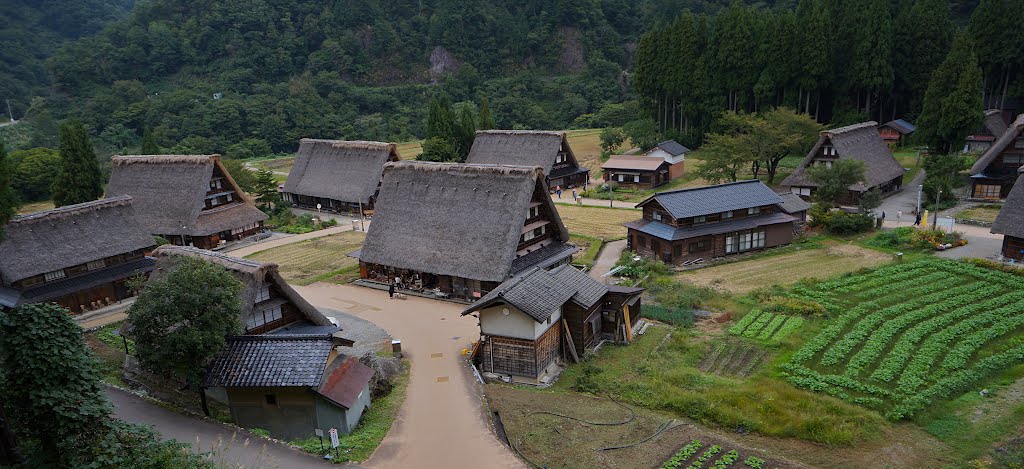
(611, 203)
(935, 223)
(920, 187)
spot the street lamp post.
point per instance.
(936, 222)
(920, 187)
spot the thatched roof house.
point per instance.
(268, 302)
(188, 199)
(78, 256)
(322, 388)
(993, 127)
(994, 173)
(461, 228)
(339, 175)
(1010, 222)
(534, 148)
(859, 141)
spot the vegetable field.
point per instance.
(766, 327)
(907, 335)
(732, 358)
(697, 455)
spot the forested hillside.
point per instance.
(32, 30)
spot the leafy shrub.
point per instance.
(259, 432)
(899, 238)
(640, 268)
(587, 379)
(838, 221)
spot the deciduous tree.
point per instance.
(8, 201)
(33, 173)
(834, 183)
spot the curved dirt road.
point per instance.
(442, 423)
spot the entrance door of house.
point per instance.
(987, 191)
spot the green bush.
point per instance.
(899, 238)
(587, 379)
(843, 223)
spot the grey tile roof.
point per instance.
(673, 147)
(539, 293)
(1010, 221)
(901, 126)
(793, 203)
(270, 361)
(543, 257)
(699, 201)
(672, 233)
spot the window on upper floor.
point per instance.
(96, 265)
(534, 212)
(727, 215)
(263, 294)
(700, 219)
(656, 216)
(56, 274)
(753, 210)
(1019, 143)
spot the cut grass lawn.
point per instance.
(316, 260)
(589, 249)
(597, 222)
(783, 269)
(33, 207)
(984, 213)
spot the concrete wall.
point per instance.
(515, 324)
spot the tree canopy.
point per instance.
(79, 179)
(834, 182)
(953, 102)
(180, 319)
(8, 200)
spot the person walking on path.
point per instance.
(391, 290)
(574, 194)
(558, 190)
(899, 215)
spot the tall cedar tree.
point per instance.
(922, 36)
(265, 188)
(952, 105)
(149, 146)
(834, 183)
(79, 179)
(466, 132)
(179, 321)
(486, 118)
(995, 27)
(8, 201)
(46, 369)
(442, 143)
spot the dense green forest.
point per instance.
(842, 61)
(204, 75)
(32, 30)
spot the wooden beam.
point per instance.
(572, 345)
(629, 326)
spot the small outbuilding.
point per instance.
(994, 173)
(794, 205)
(674, 153)
(534, 148)
(337, 175)
(79, 256)
(191, 200)
(533, 322)
(993, 127)
(636, 172)
(1010, 222)
(291, 385)
(894, 131)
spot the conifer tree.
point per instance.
(466, 132)
(8, 201)
(79, 178)
(952, 105)
(486, 119)
(149, 146)
(995, 28)
(813, 47)
(440, 121)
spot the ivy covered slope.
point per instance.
(286, 69)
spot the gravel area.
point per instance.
(367, 335)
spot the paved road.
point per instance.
(606, 259)
(442, 424)
(241, 450)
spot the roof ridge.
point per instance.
(164, 159)
(462, 167)
(733, 183)
(279, 337)
(520, 132)
(171, 249)
(357, 144)
(850, 128)
(76, 209)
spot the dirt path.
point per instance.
(606, 259)
(442, 424)
(567, 199)
(254, 248)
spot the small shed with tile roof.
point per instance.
(291, 385)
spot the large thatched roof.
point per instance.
(519, 147)
(170, 192)
(1010, 221)
(68, 236)
(860, 142)
(253, 275)
(1008, 136)
(339, 170)
(454, 219)
(994, 123)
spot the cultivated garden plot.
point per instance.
(699, 454)
(906, 335)
(732, 358)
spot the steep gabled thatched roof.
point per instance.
(1008, 137)
(454, 219)
(348, 171)
(253, 275)
(860, 142)
(170, 192)
(519, 147)
(994, 123)
(68, 236)
(1010, 221)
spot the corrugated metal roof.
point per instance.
(715, 199)
(344, 380)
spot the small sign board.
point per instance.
(318, 432)
(334, 438)
(945, 222)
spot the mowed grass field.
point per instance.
(985, 213)
(315, 260)
(783, 269)
(598, 222)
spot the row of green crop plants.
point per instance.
(707, 458)
(914, 335)
(765, 326)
